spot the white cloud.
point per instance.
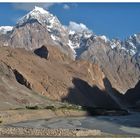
(66, 7)
(78, 27)
(30, 6)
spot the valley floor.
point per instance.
(67, 123)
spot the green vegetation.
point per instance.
(53, 108)
(70, 107)
(32, 107)
(64, 107)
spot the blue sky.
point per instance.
(115, 20)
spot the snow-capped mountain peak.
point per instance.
(76, 36)
(48, 20)
(79, 36)
(5, 29)
(73, 36)
(39, 14)
(132, 44)
(41, 10)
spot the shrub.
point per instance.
(51, 108)
(71, 107)
(32, 107)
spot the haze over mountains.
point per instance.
(67, 63)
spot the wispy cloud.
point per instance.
(75, 5)
(66, 7)
(48, 5)
(30, 6)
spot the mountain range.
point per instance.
(66, 63)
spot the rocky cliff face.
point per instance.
(29, 36)
(70, 62)
(118, 65)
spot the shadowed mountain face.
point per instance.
(133, 95)
(42, 52)
(85, 95)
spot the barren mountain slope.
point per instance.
(13, 95)
(117, 64)
(58, 77)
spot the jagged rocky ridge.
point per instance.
(76, 36)
(119, 60)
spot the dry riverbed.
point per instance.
(16, 116)
(66, 123)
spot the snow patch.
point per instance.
(103, 37)
(113, 46)
(132, 52)
(87, 35)
(41, 10)
(132, 45)
(53, 37)
(71, 32)
(5, 29)
(70, 44)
